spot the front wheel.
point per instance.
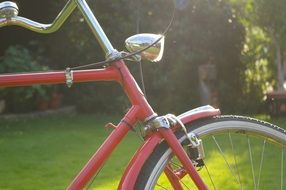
(240, 153)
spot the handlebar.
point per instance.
(59, 20)
(39, 27)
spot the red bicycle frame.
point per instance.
(117, 71)
(140, 111)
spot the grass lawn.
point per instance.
(46, 153)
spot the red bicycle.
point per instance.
(238, 152)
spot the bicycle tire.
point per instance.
(245, 128)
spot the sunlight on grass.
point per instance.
(240, 164)
(48, 152)
(220, 178)
(112, 184)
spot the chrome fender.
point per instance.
(131, 173)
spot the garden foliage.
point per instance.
(204, 31)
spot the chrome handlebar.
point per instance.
(60, 19)
(39, 27)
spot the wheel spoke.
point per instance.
(175, 164)
(282, 168)
(161, 186)
(239, 150)
(261, 163)
(224, 157)
(251, 161)
(235, 160)
(173, 178)
(179, 166)
(210, 177)
(185, 185)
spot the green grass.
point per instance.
(223, 178)
(46, 153)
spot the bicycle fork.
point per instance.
(163, 124)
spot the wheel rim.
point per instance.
(240, 167)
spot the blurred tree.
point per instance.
(270, 17)
(204, 31)
(22, 99)
(13, 35)
(264, 49)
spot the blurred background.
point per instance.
(227, 53)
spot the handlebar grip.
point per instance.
(8, 9)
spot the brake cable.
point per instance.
(128, 55)
(140, 61)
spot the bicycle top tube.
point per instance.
(60, 19)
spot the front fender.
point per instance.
(131, 173)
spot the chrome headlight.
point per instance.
(141, 41)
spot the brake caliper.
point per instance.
(195, 149)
